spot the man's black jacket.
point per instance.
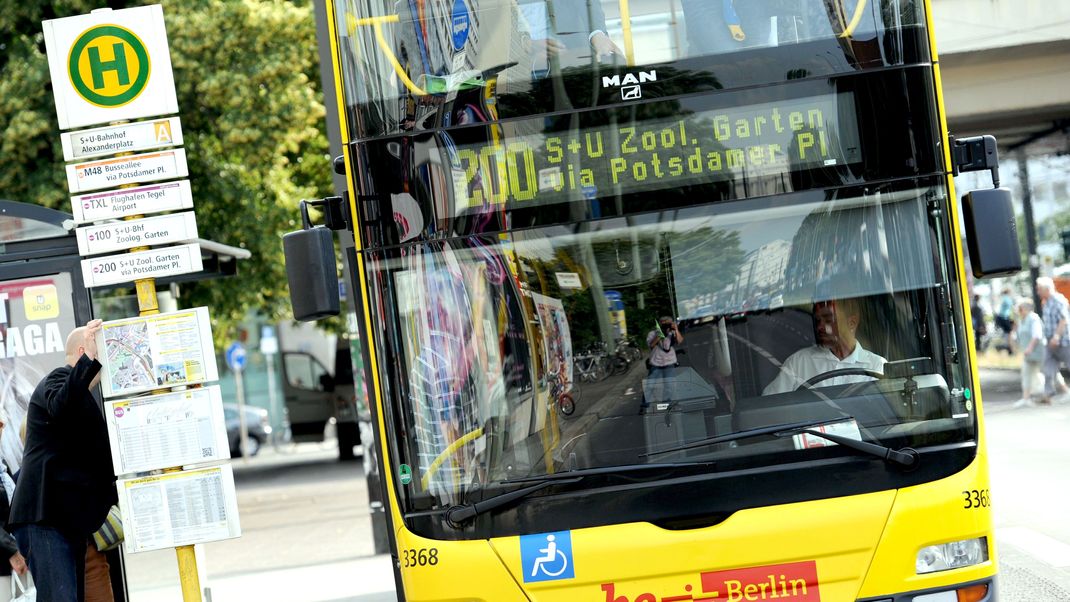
(66, 481)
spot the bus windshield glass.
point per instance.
(602, 343)
(411, 66)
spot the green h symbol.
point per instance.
(117, 64)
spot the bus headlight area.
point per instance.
(977, 592)
(954, 555)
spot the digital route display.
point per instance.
(525, 166)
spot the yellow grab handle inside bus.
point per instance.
(855, 18)
(626, 27)
(446, 453)
(377, 24)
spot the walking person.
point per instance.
(1031, 343)
(66, 485)
(1055, 314)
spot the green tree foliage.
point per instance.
(246, 74)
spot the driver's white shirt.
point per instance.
(808, 362)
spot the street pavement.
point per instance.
(1029, 456)
(307, 531)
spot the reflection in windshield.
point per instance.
(405, 60)
(596, 344)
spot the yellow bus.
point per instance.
(663, 300)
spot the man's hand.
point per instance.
(18, 564)
(604, 46)
(90, 344)
(547, 47)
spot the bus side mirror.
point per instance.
(991, 233)
(312, 273)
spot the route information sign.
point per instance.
(110, 66)
(136, 169)
(99, 206)
(122, 235)
(178, 509)
(125, 138)
(128, 267)
(164, 431)
(156, 351)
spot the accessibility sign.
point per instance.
(546, 556)
(124, 138)
(128, 267)
(154, 198)
(136, 169)
(122, 235)
(110, 66)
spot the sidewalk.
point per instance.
(369, 579)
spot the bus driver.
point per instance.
(835, 323)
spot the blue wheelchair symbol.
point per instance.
(546, 556)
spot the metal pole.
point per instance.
(243, 428)
(1030, 226)
(273, 397)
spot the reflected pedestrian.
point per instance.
(1031, 342)
(1055, 314)
(66, 485)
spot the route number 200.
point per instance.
(421, 557)
(976, 498)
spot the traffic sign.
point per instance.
(124, 138)
(110, 66)
(236, 356)
(128, 267)
(136, 169)
(119, 236)
(154, 198)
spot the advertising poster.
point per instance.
(155, 352)
(36, 315)
(556, 338)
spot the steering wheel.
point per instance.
(813, 380)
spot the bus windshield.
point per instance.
(412, 66)
(602, 343)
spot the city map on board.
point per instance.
(129, 356)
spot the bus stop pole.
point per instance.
(149, 304)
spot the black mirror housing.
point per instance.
(991, 233)
(312, 273)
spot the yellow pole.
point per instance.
(626, 26)
(148, 305)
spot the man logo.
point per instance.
(629, 78)
(630, 84)
(108, 66)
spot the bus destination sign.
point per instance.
(701, 147)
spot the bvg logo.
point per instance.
(108, 66)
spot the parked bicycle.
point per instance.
(560, 396)
(592, 365)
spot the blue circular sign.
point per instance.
(236, 357)
(461, 24)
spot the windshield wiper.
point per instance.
(906, 457)
(458, 515)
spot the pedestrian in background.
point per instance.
(1005, 320)
(980, 328)
(1031, 343)
(66, 486)
(1055, 314)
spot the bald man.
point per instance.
(66, 485)
(837, 348)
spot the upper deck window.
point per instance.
(418, 64)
